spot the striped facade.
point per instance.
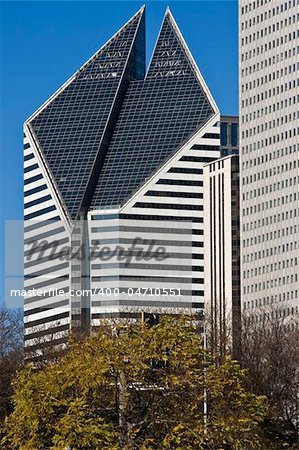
(44, 220)
(169, 209)
(109, 178)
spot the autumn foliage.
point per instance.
(135, 387)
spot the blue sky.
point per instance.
(44, 43)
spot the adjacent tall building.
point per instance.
(229, 135)
(222, 242)
(269, 148)
(222, 253)
(114, 162)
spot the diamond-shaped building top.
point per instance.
(111, 126)
(158, 115)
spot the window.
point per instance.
(223, 135)
(234, 134)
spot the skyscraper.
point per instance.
(115, 159)
(222, 253)
(269, 145)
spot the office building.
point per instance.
(269, 148)
(115, 159)
(222, 254)
(229, 135)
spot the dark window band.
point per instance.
(32, 179)
(32, 299)
(205, 147)
(211, 136)
(202, 159)
(185, 170)
(41, 246)
(41, 223)
(149, 278)
(30, 168)
(141, 266)
(174, 194)
(41, 309)
(180, 182)
(28, 157)
(47, 282)
(143, 230)
(40, 212)
(34, 323)
(44, 235)
(148, 217)
(168, 206)
(40, 188)
(40, 273)
(183, 292)
(37, 201)
(142, 242)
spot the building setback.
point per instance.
(115, 155)
(269, 145)
(222, 253)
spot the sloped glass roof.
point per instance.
(111, 127)
(158, 114)
(69, 130)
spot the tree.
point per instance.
(270, 355)
(132, 386)
(46, 344)
(11, 354)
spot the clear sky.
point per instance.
(44, 43)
